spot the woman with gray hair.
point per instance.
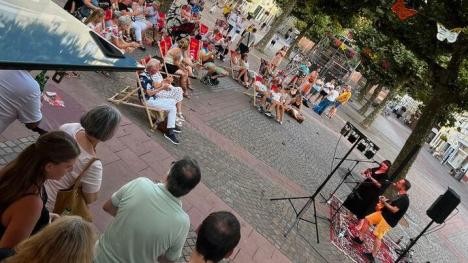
(114, 34)
(97, 125)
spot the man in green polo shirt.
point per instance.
(149, 220)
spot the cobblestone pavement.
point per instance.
(10, 149)
(248, 193)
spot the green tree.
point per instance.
(313, 24)
(385, 60)
(287, 7)
(447, 62)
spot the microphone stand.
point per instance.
(300, 212)
(342, 203)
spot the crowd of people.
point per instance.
(147, 214)
(126, 22)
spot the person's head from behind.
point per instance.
(183, 176)
(254, 30)
(124, 22)
(101, 122)
(50, 157)
(183, 44)
(153, 66)
(218, 235)
(68, 239)
(245, 57)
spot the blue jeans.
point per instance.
(322, 106)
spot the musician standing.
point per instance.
(386, 218)
(363, 199)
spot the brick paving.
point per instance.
(11, 148)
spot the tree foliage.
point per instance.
(446, 62)
(314, 23)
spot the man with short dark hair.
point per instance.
(149, 223)
(218, 235)
(387, 218)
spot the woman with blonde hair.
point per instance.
(95, 21)
(68, 239)
(178, 62)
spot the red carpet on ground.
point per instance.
(343, 229)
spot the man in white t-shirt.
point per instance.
(149, 223)
(20, 99)
(329, 100)
(232, 20)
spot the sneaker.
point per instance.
(171, 137)
(177, 129)
(357, 240)
(181, 116)
(268, 114)
(204, 80)
(369, 256)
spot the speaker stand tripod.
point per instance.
(413, 242)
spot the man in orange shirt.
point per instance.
(306, 87)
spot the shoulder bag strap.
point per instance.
(78, 179)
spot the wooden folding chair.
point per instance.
(164, 45)
(234, 62)
(135, 97)
(195, 46)
(162, 20)
(251, 92)
(203, 29)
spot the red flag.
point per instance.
(402, 11)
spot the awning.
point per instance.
(40, 35)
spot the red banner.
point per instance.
(403, 12)
(194, 46)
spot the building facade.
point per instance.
(450, 144)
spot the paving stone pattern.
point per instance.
(10, 149)
(248, 194)
(312, 147)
